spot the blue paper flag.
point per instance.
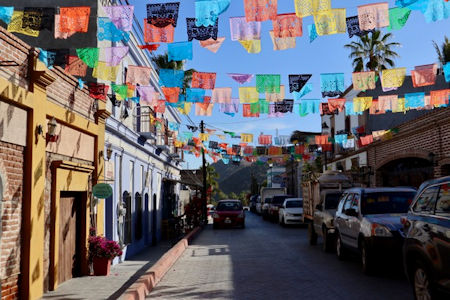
(207, 11)
(180, 51)
(171, 78)
(80, 83)
(340, 139)
(437, 10)
(414, 100)
(6, 13)
(309, 106)
(312, 32)
(173, 126)
(332, 84)
(108, 31)
(307, 88)
(447, 72)
(195, 95)
(43, 56)
(134, 99)
(349, 111)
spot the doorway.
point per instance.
(146, 218)
(154, 216)
(70, 216)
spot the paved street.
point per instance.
(266, 261)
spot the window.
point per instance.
(348, 202)
(332, 200)
(426, 201)
(355, 202)
(292, 204)
(127, 224)
(341, 202)
(229, 206)
(138, 224)
(443, 200)
(386, 202)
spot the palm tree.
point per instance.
(212, 179)
(443, 52)
(161, 61)
(373, 53)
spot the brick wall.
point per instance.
(11, 170)
(427, 134)
(63, 91)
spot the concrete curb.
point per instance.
(144, 285)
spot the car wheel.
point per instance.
(366, 259)
(327, 241)
(340, 250)
(422, 282)
(312, 235)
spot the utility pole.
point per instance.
(205, 218)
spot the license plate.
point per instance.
(228, 221)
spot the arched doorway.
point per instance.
(409, 171)
(154, 216)
(146, 218)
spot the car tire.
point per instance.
(215, 226)
(341, 252)
(327, 240)
(422, 282)
(367, 261)
(312, 235)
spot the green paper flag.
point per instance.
(398, 17)
(89, 56)
(121, 90)
(254, 108)
(263, 106)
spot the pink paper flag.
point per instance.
(424, 75)
(212, 45)
(221, 95)
(138, 75)
(147, 95)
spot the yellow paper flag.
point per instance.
(105, 72)
(16, 25)
(252, 46)
(393, 78)
(361, 103)
(246, 138)
(248, 95)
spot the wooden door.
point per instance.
(69, 214)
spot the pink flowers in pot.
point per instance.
(100, 246)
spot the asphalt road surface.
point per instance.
(267, 261)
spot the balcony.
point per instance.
(143, 122)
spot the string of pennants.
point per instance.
(278, 149)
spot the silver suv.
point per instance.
(368, 222)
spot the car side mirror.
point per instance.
(319, 206)
(351, 212)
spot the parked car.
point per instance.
(275, 204)
(252, 203)
(265, 208)
(426, 250)
(291, 211)
(268, 193)
(323, 218)
(229, 213)
(210, 209)
(368, 221)
(246, 208)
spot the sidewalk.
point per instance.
(122, 276)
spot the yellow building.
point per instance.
(55, 132)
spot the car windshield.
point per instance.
(386, 202)
(332, 200)
(229, 206)
(280, 199)
(292, 204)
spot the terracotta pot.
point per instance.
(102, 266)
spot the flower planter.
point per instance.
(102, 266)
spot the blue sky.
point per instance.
(324, 55)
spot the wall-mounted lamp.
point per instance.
(51, 130)
(39, 130)
(109, 152)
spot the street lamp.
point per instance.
(271, 177)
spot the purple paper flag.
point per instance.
(147, 94)
(272, 113)
(114, 55)
(230, 108)
(121, 16)
(241, 78)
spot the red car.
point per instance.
(229, 213)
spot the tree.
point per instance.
(443, 52)
(220, 195)
(373, 52)
(300, 137)
(243, 196)
(212, 178)
(233, 195)
(162, 62)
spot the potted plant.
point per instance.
(102, 251)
